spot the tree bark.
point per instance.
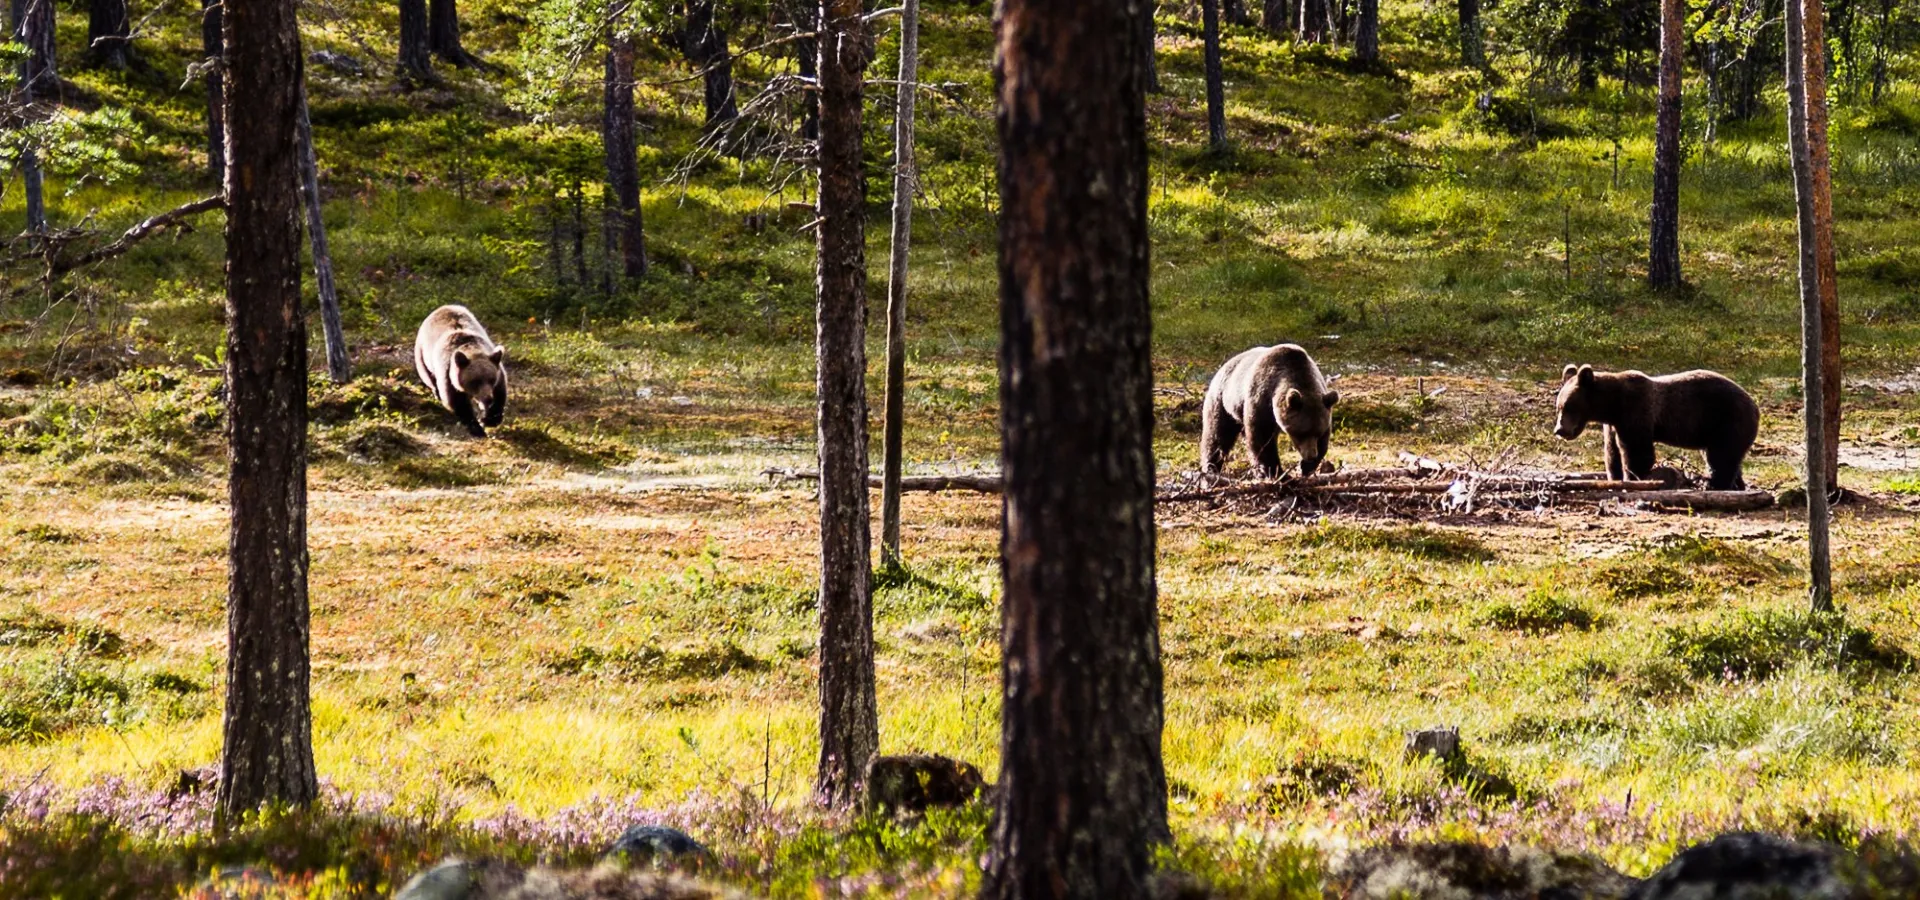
(1216, 86)
(704, 44)
(33, 25)
(806, 20)
(443, 33)
(216, 101)
(1276, 16)
(1314, 22)
(1803, 57)
(415, 50)
(1366, 37)
(1147, 33)
(903, 181)
(1473, 54)
(621, 144)
(267, 754)
(109, 30)
(1235, 12)
(1663, 251)
(1082, 796)
(339, 367)
(1820, 168)
(849, 725)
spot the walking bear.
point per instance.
(463, 367)
(1698, 410)
(1266, 392)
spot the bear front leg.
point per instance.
(463, 410)
(1723, 470)
(1610, 440)
(1263, 445)
(1218, 431)
(1639, 455)
(498, 411)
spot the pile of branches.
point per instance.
(1417, 485)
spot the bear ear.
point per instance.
(460, 358)
(1586, 375)
(1331, 398)
(499, 353)
(1295, 399)
(1569, 371)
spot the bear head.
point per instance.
(1308, 420)
(478, 375)
(1575, 401)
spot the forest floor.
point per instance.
(605, 613)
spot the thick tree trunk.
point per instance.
(267, 755)
(108, 32)
(1216, 80)
(1473, 53)
(849, 725)
(1147, 33)
(1366, 36)
(216, 101)
(443, 33)
(1082, 796)
(1821, 170)
(339, 367)
(1315, 21)
(704, 44)
(1663, 251)
(33, 25)
(622, 149)
(903, 181)
(415, 51)
(1804, 57)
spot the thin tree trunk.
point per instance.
(1082, 795)
(1821, 170)
(1147, 33)
(1216, 86)
(903, 179)
(1473, 54)
(33, 25)
(108, 33)
(1366, 38)
(1663, 251)
(849, 725)
(806, 16)
(267, 753)
(1235, 12)
(579, 233)
(339, 367)
(1276, 17)
(415, 50)
(1314, 22)
(443, 33)
(704, 44)
(216, 101)
(1803, 56)
(622, 149)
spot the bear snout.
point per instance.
(1308, 465)
(1567, 432)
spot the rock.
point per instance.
(1460, 871)
(457, 879)
(917, 782)
(1746, 865)
(1442, 742)
(338, 62)
(236, 883)
(657, 845)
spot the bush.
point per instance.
(1759, 645)
(1541, 611)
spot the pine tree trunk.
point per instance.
(1663, 252)
(903, 180)
(415, 50)
(108, 31)
(1314, 22)
(1082, 795)
(1235, 12)
(1216, 80)
(443, 32)
(1821, 169)
(1473, 54)
(267, 754)
(33, 25)
(216, 101)
(704, 44)
(622, 150)
(849, 725)
(806, 20)
(1277, 17)
(1366, 38)
(339, 367)
(1147, 33)
(1803, 57)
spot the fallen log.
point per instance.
(1707, 501)
(983, 483)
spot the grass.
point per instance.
(606, 615)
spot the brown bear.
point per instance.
(1698, 410)
(465, 370)
(1266, 392)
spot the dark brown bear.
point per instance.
(1698, 410)
(463, 367)
(1266, 392)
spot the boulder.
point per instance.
(458, 879)
(236, 883)
(1463, 871)
(652, 845)
(1746, 865)
(917, 782)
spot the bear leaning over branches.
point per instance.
(1266, 392)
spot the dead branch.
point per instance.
(1705, 501)
(171, 218)
(983, 483)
